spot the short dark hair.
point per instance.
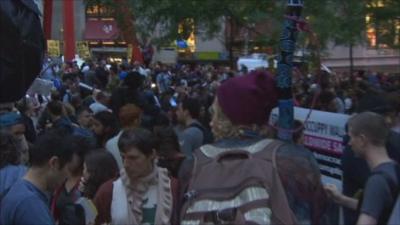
(193, 106)
(55, 108)
(372, 125)
(140, 138)
(81, 145)
(108, 119)
(50, 144)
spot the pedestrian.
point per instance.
(11, 170)
(368, 134)
(129, 117)
(64, 197)
(105, 126)
(240, 114)
(27, 201)
(191, 136)
(84, 117)
(144, 193)
(168, 152)
(11, 122)
(355, 169)
(99, 166)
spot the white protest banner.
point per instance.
(323, 135)
(41, 86)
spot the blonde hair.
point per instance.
(224, 128)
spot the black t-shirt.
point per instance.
(356, 172)
(378, 194)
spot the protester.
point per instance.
(58, 117)
(27, 200)
(11, 169)
(26, 110)
(158, 97)
(95, 173)
(163, 79)
(70, 86)
(129, 117)
(368, 134)
(191, 135)
(128, 92)
(105, 126)
(84, 117)
(11, 122)
(144, 193)
(100, 104)
(169, 154)
(64, 198)
(355, 169)
(239, 117)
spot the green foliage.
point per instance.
(340, 21)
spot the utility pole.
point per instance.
(285, 66)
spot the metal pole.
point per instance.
(284, 71)
(69, 30)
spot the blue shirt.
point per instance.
(25, 204)
(9, 175)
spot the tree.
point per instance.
(339, 21)
(350, 25)
(208, 17)
(159, 20)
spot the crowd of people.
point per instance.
(121, 144)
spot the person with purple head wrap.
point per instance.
(240, 115)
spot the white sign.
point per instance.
(323, 135)
(41, 86)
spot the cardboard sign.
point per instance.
(323, 135)
(53, 48)
(82, 48)
(41, 86)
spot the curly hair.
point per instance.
(8, 150)
(224, 128)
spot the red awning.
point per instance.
(101, 30)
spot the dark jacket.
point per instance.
(21, 47)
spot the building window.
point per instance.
(371, 32)
(186, 37)
(381, 33)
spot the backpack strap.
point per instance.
(393, 185)
(279, 201)
(271, 154)
(394, 189)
